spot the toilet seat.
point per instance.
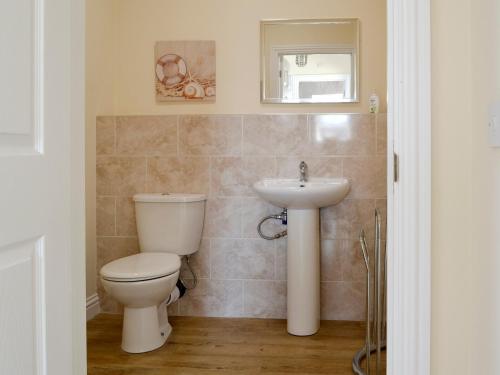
(141, 267)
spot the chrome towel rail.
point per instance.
(376, 323)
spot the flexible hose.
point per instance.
(275, 236)
(195, 278)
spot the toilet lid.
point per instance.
(142, 266)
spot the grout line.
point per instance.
(308, 121)
(116, 236)
(146, 175)
(178, 136)
(210, 259)
(116, 216)
(210, 171)
(243, 287)
(242, 125)
(241, 203)
(276, 259)
(115, 140)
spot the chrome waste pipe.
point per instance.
(376, 328)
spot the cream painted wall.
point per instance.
(234, 25)
(485, 246)
(466, 186)
(99, 101)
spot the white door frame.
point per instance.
(409, 214)
(409, 201)
(77, 202)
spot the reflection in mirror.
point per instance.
(309, 61)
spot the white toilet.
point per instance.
(169, 226)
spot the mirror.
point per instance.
(310, 61)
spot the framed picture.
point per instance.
(185, 71)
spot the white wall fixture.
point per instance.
(409, 199)
(494, 125)
(303, 199)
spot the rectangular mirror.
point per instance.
(310, 61)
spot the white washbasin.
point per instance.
(293, 194)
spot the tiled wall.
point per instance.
(241, 274)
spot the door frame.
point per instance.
(77, 187)
(409, 198)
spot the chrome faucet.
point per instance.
(303, 171)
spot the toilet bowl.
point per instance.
(169, 226)
(142, 283)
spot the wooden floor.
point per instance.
(226, 346)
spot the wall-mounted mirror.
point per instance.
(310, 61)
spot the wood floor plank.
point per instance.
(206, 346)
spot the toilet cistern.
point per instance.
(303, 171)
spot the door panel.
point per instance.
(23, 314)
(21, 42)
(35, 197)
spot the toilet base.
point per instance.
(145, 328)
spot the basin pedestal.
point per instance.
(303, 267)
(303, 199)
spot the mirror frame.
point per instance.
(356, 62)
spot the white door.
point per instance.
(35, 229)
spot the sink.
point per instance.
(293, 194)
(303, 201)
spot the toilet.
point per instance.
(169, 226)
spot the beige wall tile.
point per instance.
(242, 259)
(179, 175)
(111, 248)
(107, 304)
(382, 133)
(146, 135)
(284, 135)
(105, 135)
(353, 264)
(381, 205)
(241, 274)
(265, 299)
(210, 135)
(341, 134)
(105, 216)
(317, 166)
(199, 262)
(214, 298)
(223, 217)
(346, 219)
(331, 259)
(253, 210)
(234, 176)
(343, 300)
(125, 217)
(123, 176)
(367, 176)
(173, 308)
